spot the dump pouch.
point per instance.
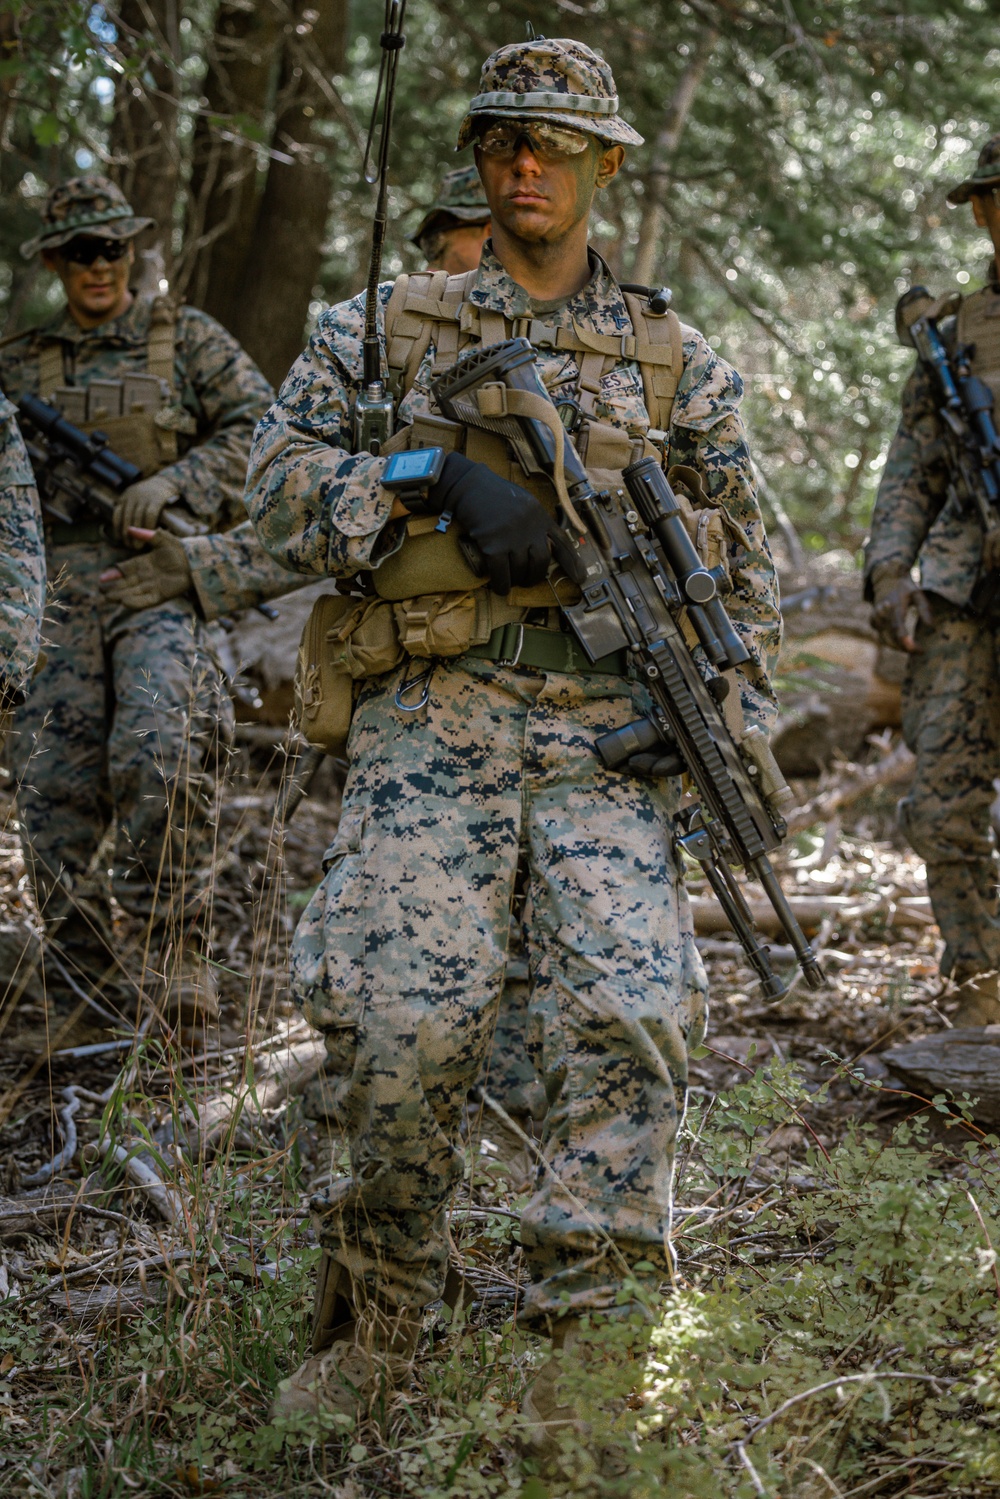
(344, 640)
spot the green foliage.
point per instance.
(834, 1322)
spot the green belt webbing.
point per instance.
(85, 534)
(547, 650)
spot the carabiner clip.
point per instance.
(411, 684)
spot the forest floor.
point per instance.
(831, 1332)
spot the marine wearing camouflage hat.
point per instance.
(460, 200)
(984, 175)
(949, 625)
(561, 80)
(81, 206)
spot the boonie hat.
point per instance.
(985, 174)
(459, 197)
(558, 80)
(83, 205)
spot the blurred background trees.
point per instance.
(791, 185)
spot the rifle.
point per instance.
(966, 412)
(84, 471)
(637, 569)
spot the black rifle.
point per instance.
(637, 569)
(81, 474)
(966, 412)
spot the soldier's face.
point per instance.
(97, 292)
(461, 247)
(540, 200)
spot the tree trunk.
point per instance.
(225, 179)
(144, 147)
(281, 272)
(660, 176)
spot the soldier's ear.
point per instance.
(609, 164)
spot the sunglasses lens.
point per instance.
(549, 142)
(86, 251)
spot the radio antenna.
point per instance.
(373, 411)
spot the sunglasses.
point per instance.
(85, 249)
(547, 142)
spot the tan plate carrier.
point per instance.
(429, 603)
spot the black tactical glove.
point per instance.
(506, 523)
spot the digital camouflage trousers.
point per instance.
(401, 954)
(124, 723)
(951, 721)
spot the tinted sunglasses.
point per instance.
(547, 142)
(85, 249)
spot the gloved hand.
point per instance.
(142, 504)
(507, 524)
(152, 578)
(895, 596)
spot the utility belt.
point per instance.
(86, 533)
(348, 640)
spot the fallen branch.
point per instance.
(811, 911)
(853, 782)
(276, 1078)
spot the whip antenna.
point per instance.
(373, 408)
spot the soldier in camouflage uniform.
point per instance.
(452, 232)
(951, 694)
(22, 567)
(460, 763)
(128, 716)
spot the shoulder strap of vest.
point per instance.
(162, 340)
(51, 369)
(423, 306)
(657, 334)
(12, 338)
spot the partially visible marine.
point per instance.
(936, 510)
(22, 564)
(130, 715)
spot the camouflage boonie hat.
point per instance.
(562, 81)
(460, 197)
(985, 174)
(84, 205)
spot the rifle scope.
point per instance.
(90, 451)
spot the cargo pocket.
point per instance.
(327, 960)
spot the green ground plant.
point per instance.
(832, 1330)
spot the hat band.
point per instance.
(102, 216)
(568, 103)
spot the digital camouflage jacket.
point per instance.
(22, 560)
(320, 508)
(221, 391)
(915, 520)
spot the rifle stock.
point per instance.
(637, 569)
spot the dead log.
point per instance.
(811, 911)
(957, 1062)
(35, 1214)
(837, 683)
(277, 1077)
